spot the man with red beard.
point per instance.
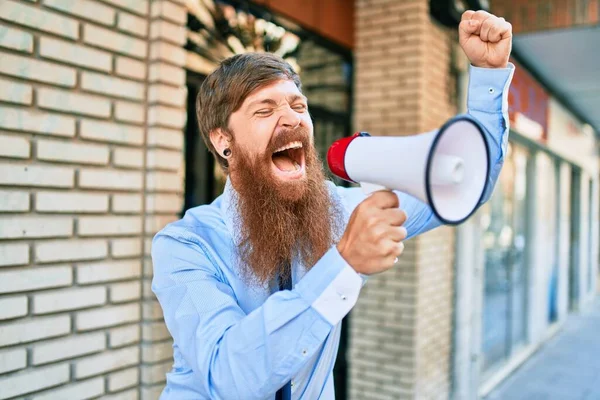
(253, 286)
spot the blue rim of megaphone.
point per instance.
(430, 161)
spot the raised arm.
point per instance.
(486, 40)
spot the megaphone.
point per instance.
(448, 168)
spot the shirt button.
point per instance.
(491, 90)
(304, 352)
(343, 297)
(292, 384)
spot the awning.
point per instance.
(567, 62)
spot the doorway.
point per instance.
(575, 239)
(554, 284)
(204, 181)
(590, 244)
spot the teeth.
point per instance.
(293, 145)
(296, 164)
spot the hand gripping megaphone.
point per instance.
(448, 168)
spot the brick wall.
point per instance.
(400, 338)
(164, 176)
(436, 249)
(91, 115)
(535, 15)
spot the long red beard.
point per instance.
(281, 220)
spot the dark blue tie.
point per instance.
(285, 393)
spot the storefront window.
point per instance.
(504, 220)
(546, 232)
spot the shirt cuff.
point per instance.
(331, 287)
(488, 88)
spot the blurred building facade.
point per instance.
(99, 149)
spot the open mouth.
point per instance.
(289, 159)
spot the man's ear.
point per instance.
(220, 140)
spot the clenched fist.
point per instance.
(374, 235)
(485, 39)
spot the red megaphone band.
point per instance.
(336, 155)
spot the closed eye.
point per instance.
(299, 107)
(264, 112)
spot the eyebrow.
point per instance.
(295, 97)
(272, 102)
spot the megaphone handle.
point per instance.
(369, 188)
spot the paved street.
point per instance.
(566, 368)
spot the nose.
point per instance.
(289, 118)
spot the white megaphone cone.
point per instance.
(448, 169)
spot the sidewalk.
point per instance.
(567, 367)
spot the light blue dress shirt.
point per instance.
(233, 341)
